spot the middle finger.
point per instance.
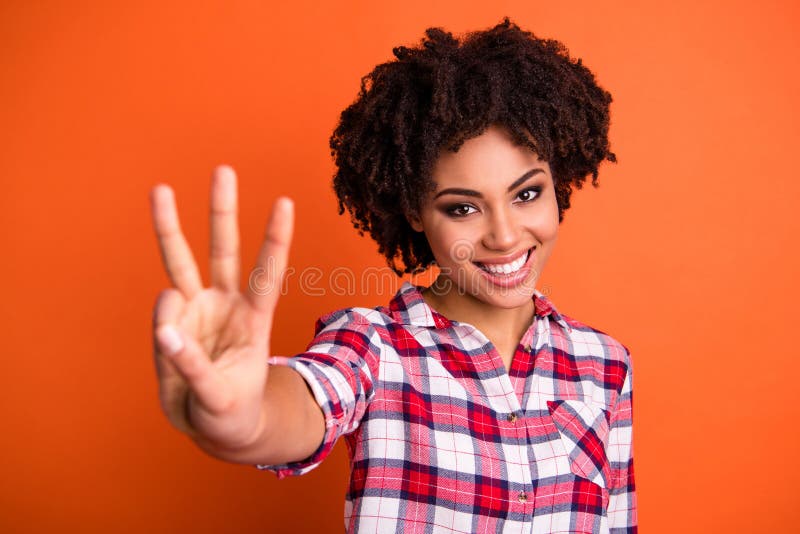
(224, 230)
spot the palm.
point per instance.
(212, 387)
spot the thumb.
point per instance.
(169, 340)
(207, 384)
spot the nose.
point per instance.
(502, 231)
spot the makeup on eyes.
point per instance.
(472, 193)
(452, 209)
(534, 188)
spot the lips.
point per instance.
(506, 268)
(510, 272)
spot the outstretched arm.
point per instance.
(211, 344)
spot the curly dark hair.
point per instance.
(440, 94)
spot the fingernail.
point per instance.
(170, 339)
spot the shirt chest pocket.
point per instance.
(584, 432)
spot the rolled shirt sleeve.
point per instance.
(340, 367)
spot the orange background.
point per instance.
(683, 253)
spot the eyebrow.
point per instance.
(472, 193)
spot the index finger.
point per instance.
(265, 279)
(175, 252)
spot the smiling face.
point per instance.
(491, 222)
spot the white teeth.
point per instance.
(505, 268)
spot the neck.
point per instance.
(500, 325)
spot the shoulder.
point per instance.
(593, 342)
(599, 358)
(357, 318)
(406, 308)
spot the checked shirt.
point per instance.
(443, 439)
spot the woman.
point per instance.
(472, 405)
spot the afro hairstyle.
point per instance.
(435, 96)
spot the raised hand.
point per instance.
(211, 343)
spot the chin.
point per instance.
(508, 299)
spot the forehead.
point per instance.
(490, 158)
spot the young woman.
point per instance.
(471, 405)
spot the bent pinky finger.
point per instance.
(208, 385)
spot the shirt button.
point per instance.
(522, 497)
(512, 417)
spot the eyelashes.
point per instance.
(460, 210)
(464, 209)
(530, 194)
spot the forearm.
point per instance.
(291, 426)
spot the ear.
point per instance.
(415, 223)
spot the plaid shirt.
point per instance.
(443, 439)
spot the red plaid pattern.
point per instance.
(443, 439)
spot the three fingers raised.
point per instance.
(185, 355)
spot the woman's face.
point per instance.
(492, 220)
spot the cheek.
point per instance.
(544, 225)
(550, 231)
(547, 222)
(450, 243)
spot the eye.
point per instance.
(529, 194)
(460, 210)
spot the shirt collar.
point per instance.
(409, 307)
